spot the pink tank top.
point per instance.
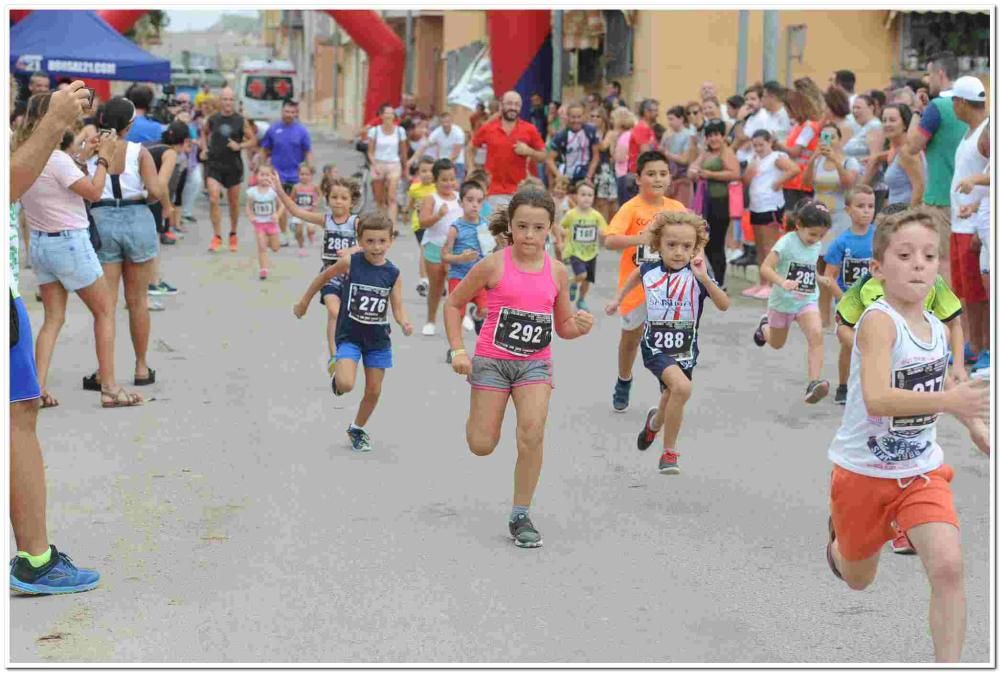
(306, 197)
(621, 148)
(520, 322)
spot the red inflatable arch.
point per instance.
(386, 53)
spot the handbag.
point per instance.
(735, 200)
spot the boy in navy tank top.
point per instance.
(371, 285)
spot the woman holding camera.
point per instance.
(129, 242)
(63, 257)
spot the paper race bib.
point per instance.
(672, 337)
(304, 200)
(263, 208)
(853, 270)
(645, 253)
(334, 242)
(927, 377)
(804, 275)
(522, 333)
(585, 233)
(368, 304)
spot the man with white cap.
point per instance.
(972, 162)
(939, 133)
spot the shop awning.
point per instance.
(892, 13)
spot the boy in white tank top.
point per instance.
(888, 466)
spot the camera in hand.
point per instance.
(161, 108)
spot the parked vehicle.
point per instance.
(262, 86)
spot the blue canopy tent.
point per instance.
(78, 43)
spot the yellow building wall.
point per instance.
(703, 46)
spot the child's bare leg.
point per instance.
(813, 329)
(373, 389)
(940, 550)
(261, 249)
(274, 241)
(345, 375)
(332, 304)
(775, 336)
(672, 404)
(845, 335)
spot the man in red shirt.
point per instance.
(510, 144)
(642, 139)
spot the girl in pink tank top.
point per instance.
(527, 299)
(304, 195)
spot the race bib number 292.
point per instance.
(522, 332)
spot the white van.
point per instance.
(262, 86)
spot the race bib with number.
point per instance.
(335, 242)
(927, 377)
(672, 337)
(804, 276)
(263, 208)
(854, 269)
(645, 253)
(368, 304)
(585, 233)
(522, 333)
(304, 200)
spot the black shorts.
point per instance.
(288, 187)
(179, 189)
(580, 267)
(227, 175)
(793, 196)
(774, 217)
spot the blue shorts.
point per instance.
(128, 234)
(67, 258)
(23, 377)
(657, 363)
(333, 287)
(374, 358)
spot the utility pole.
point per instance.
(408, 86)
(557, 54)
(772, 36)
(741, 52)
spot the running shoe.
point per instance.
(263, 274)
(333, 385)
(360, 441)
(750, 292)
(58, 576)
(524, 532)
(764, 292)
(581, 305)
(982, 362)
(189, 218)
(840, 397)
(467, 324)
(733, 254)
(970, 355)
(155, 290)
(901, 544)
(233, 243)
(422, 287)
(331, 365)
(817, 390)
(646, 435)
(429, 329)
(619, 401)
(283, 239)
(668, 463)
(573, 288)
(982, 374)
(168, 239)
(758, 335)
(215, 244)
(156, 306)
(829, 549)
(166, 288)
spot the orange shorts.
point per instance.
(864, 508)
(479, 300)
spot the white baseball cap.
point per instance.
(966, 88)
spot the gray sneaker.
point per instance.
(524, 533)
(360, 441)
(817, 390)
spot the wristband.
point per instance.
(458, 351)
(101, 161)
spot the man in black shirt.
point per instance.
(224, 137)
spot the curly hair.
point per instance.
(665, 219)
(326, 186)
(888, 226)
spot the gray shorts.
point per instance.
(635, 318)
(502, 375)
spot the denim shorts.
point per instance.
(68, 259)
(502, 375)
(128, 234)
(23, 376)
(374, 358)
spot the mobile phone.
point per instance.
(90, 99)
(826, 136)
(105, 133)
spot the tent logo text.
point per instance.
(30, 62)
(91, 67)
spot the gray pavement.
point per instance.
(232, 523)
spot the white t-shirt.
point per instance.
(763, 199)
(438, 233)
(386, 144)
(49, 205)
(263, 204)
(777, 124)
(968, 162)
(442, 144)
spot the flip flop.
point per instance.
(120, 398)
(148, 381)
(91, 383)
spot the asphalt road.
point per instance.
(232, 523)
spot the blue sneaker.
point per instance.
(573, 287)
(360, 441)
(619, 401)
(58, 576)
(166, 288)
(970, 355)
(982, 362)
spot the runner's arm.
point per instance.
(250, 138)
(630, 283)
(622, 241)
(831, 272)
(285, 201)
(342, 266)
(790, 170)
(454, 306)
(768, 269)
(398, 309)
(427, 217)
(448, 245)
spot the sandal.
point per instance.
(829, 550)
(91, 383)
(149, 380)
(47, 400)
(120, 398)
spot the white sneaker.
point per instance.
(980, 374)
(468, 324)
(429, 329)
(733, 253)
(283, 240)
